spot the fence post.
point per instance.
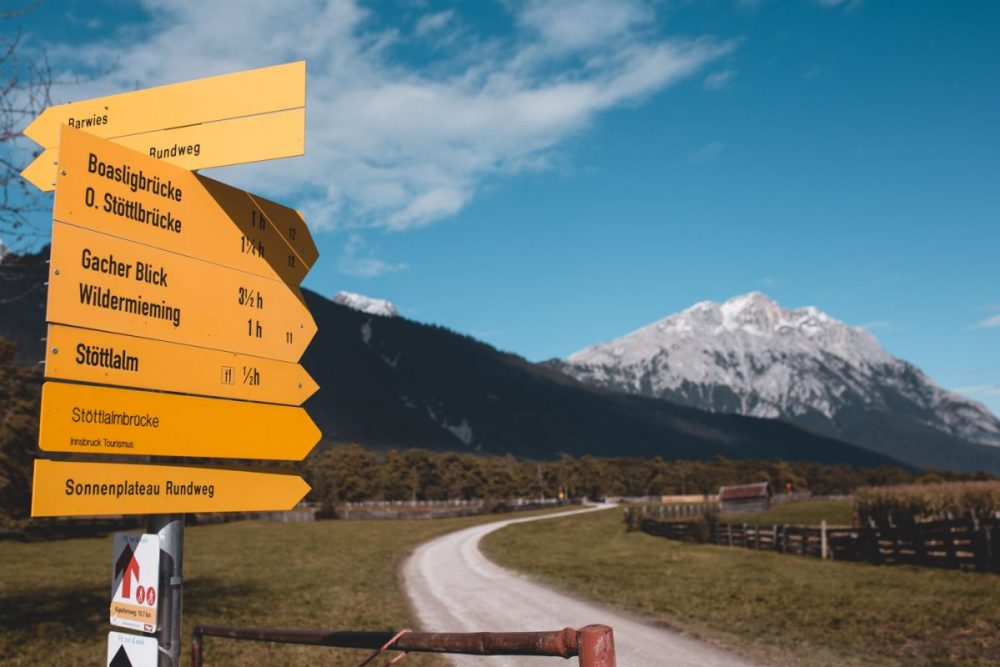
(822, 539)
(993, 540)
(596, 646)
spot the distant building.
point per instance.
(690, 498)
(745, 498)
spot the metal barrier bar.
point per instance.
(593, 644)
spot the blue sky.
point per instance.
(548, 175)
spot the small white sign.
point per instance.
(131, 650)
(135, 581)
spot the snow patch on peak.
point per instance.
(366, 304)
(749, 322)
(462, 430)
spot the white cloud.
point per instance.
(719, 80)
(574, 25)
(430, 23)
(392, 146)
(358, 260)
(707, 153)
(849, 5)
(991, 321)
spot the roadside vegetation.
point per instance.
(780, 609)
(54, 596)
(909, 503)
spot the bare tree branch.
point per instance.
(26, 84)
(25, 90)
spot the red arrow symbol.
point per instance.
(130, 566)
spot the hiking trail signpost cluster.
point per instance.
(175, 325)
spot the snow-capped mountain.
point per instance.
(749, 356)
(366, 304)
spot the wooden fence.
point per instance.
(676, 510)
(965, 544)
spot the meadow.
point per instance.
(780, 609)
(839, 511)
(341, 575)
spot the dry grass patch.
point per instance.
(54, 596)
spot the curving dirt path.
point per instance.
(454, 588)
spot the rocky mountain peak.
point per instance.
(750, 356)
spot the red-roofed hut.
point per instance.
(745, 498)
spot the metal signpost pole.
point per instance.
(170, 528)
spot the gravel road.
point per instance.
(454, 588)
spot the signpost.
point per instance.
(179, 294)
(205, 100)
(108, 188)
(135, 581)
(85, 355)
(103, 282)
(126, 650)
(73, 488)
(103, 420)
(173, 120)
(219, 144)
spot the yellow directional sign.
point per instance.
(215, 98)
(236, 141)
(299, 251)
(292, 226)
(93, 489)
(85, 355)
(103, 282)
(86, 419)
(111, 189)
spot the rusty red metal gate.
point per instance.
(594, 645)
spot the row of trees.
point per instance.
(20, 398)
(352, 473)
(349, 473)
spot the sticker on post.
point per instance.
(131, 650)
(135, 581)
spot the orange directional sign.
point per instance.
(237, 141)
(101, 420)
(85, 355)
(215, 98)
(111, 189)
(103, 282)
(94, 489)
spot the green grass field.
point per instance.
(54, 596)
(781, 609)
(800, 513)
